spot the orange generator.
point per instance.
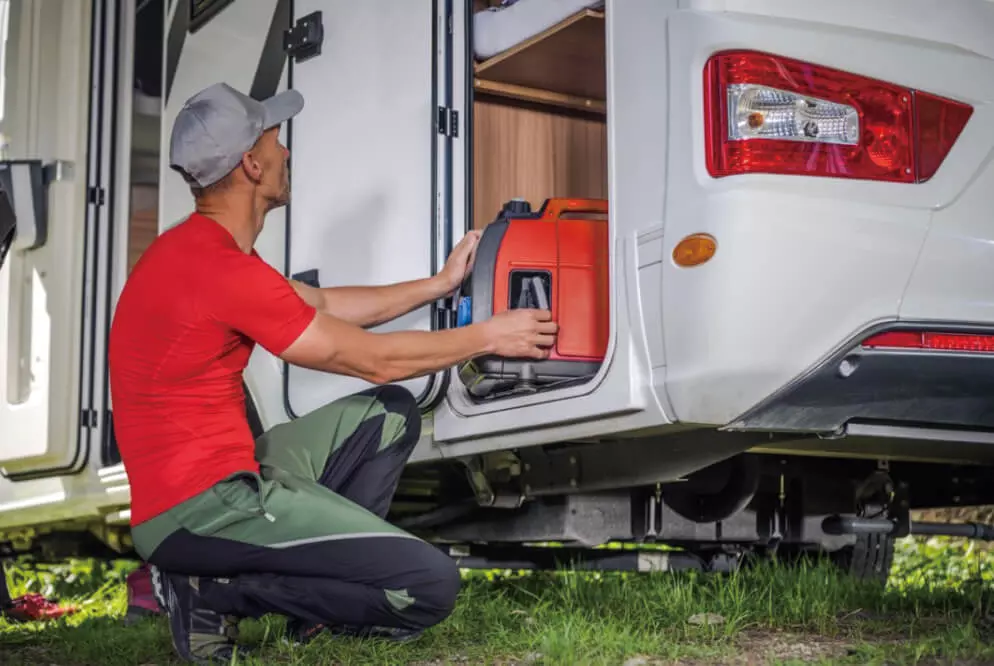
(554, 258)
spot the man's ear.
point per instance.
(252, 167)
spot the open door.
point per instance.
(368, 161)
(49, 233)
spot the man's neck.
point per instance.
(243, 221)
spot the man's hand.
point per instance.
(522, 333)
(460, 263)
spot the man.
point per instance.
(294, 523)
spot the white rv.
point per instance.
(793, 302)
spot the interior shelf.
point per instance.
(562, 66)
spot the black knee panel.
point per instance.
(437, 595)
(398, 400)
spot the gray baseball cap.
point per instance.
(218, 125)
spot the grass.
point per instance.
(933, 610)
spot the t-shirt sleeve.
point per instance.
(253, 298)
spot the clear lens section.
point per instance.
(760, 112)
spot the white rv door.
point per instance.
(51, 290)
(366, 152)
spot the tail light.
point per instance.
(767, 114)
(965, 342)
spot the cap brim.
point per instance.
(282, 107)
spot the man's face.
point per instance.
(273, 157)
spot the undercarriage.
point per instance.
(639, 506)
(506, 509)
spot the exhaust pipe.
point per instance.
(838, 525)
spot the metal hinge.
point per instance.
(444, 319)
(58, 171)
(88, 418)
(304, 39)
(448, 121)
(96, 195)
(446, 316)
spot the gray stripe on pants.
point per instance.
(340, 537)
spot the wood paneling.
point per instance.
(568, 60)
(534, 154)
(143, 226)
(540, 96)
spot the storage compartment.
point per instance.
(546, 51)
(143, 225)
(539, 188)
(539, 127)
(146, 125)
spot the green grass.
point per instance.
(934, 610)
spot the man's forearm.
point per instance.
(407, 354)
(370, 306)
(331, 345)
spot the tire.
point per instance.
(870, 558)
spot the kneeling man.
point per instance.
(292, 523)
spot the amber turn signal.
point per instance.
(694, 250)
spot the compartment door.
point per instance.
(364, 153)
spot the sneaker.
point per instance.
(200, 635)
(301, 632)
(141, 598)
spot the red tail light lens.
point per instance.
(931, 341)
(940, 122)
(767, 114)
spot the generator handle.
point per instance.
(555, 208)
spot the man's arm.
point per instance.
(369, 306)
(332, 345)
(251, 297)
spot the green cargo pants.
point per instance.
(306, 537)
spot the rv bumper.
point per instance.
(921, 388)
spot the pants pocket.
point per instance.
(233, 501)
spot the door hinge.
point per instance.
(88, 418)
(446, 316)
(96, 195)
(58, 171)
(304, 39)
(448, 121)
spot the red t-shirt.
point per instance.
(186, 323)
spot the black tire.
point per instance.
(870, 558)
